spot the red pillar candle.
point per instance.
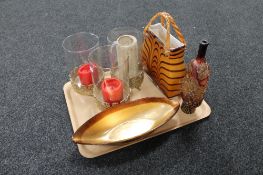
(84, 74)
(112, 90)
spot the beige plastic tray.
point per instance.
(81, 108)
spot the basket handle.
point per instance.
(169, 20)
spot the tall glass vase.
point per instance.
(129, 41)
(110, 76)
(77, 48)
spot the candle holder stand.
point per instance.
(129, 42)
(77, 86)
(136, 82)
(110, 76)
(77, 48)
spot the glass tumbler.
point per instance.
(110, 76)
(77, 48)
(129, 42)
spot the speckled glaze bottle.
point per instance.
(195, 83)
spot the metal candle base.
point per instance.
(102, 105)
(77, 86)
(136, 82)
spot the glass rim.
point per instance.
(121, 28)
(81, 51)
(106, 46)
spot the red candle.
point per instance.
(84, 74)
(112, 90)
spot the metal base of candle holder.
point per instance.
(77, 86)
(136, 82)
(104, 105)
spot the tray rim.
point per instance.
(83, 152)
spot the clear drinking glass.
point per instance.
(110, 76)
(129, 42)
(77, 48)
(115, 33)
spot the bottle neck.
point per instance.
(202, 49)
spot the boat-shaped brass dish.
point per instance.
(126, 122)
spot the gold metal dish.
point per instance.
(126, 122)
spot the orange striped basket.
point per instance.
(163, 54)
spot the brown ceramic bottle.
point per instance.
(195, 82)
